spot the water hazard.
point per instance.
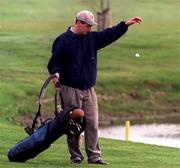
(158, 134)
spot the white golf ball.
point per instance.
(137, 55)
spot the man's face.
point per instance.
(84, 28)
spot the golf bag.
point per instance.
(49, 130)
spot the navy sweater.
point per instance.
(74, 56)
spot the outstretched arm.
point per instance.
(133, 20)
(109, 35)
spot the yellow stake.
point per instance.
(127, 125)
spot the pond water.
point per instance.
(158, 134)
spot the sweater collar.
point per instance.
(72, 34)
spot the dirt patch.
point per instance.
(24, 120)
(152, 107)
(151, 85)
(27, 120)
(102, 97)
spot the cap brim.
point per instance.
(95, 23)
(92, 24)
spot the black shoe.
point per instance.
(76, 161)
(99, 162)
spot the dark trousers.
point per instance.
(86, 100)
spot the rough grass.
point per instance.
(148, 85)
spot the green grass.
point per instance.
(119, 154)
(28, 29)
(126, 85)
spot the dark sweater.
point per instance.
(74, 56)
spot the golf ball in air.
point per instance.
(137, 55)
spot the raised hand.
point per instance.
(133, 20)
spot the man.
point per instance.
(74, 59)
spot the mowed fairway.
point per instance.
(127, 85)
(118, 153)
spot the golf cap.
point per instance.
(86, 16)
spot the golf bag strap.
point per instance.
(38, 114)
(41, 94)
(59, 103)
(43, 88)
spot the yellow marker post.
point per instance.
(127, 126)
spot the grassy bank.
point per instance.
(144, 88)
(119, 154)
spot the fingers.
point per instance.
(138, 19)
(133, 21)
(56, 78)
(57, 75)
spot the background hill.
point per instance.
(143, 89)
